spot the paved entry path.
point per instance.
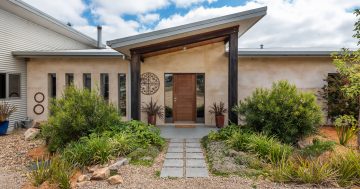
(184, 158)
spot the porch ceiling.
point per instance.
(243, 20)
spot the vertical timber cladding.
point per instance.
(135, 85)
(233, 76)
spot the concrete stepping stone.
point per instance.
(177, 140)
(195, 163)
(196, 172)
(194, 156)
(193, 149)
(174, 155)
(192, 140)
(180, 145)
(171, 172)
(173, 163)
(175, 149)
(193, 145)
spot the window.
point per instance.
(87, 81)
(168, 98)
(200, 98)
(122, 94)
(52, 85)
(14, 85)
(104, 85)
(2, 85)
(69, 79)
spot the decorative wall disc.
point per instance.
(150, 83)
(39, 97)
(38, 109)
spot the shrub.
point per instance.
(348, 167)
(143, 156)
(224, 133)
(317, 148)
(281, 111)
(41, 172)
(346, 128)
(268, 148)
(78, 113)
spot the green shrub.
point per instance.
(268, 148)
(41, 172)
(348, 168)
(78, 113)
(224, 133)
(317, 148)
(281, 111)
(346, 128)
(143, 156)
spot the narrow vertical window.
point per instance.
(122, 94)
(14, 85)
(87, 81)
(2, 85)
(104, 85)
(52, 85)
(200, 98)
(69, 79)
(168, 98)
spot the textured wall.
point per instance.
(38, 70)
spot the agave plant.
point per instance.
(218, 109)
(152, 108)
(6, 110)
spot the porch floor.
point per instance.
(199, 131)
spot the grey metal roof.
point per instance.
(71, 53)
(245, 19)
(310, 51)
(33, 14)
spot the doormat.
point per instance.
(184, 126)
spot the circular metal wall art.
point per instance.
(39, 97)
(38, 109)
(150, 83)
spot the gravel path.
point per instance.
(13, 159)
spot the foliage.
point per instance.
(338, 103)
(282, 111)
(6, 110)
(224, 133)
(317, 148)
(55, 170)
(152, 108)
(143, 156)
(218, 109)
(268, 148)
(348, 167)
(78, 113)
(346, 128)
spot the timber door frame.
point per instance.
(194, 95)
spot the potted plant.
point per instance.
(152, 109)
(6, 110)
(218, 110)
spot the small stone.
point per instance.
(147, 158)
(118, 164)
(101, 174)
(31, 133)
(93, 168)
(81, 184)
(116, 179)
(83, 178)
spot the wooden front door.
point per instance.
(184, 97)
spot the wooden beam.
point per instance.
(135, 86)
(186, 40)
(233, 77)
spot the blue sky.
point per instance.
(288, 23)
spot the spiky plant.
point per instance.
(6, 110)
(218, 109)
(152, 108)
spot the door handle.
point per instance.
(174, 98)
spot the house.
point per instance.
(185, 68)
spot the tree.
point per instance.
(348, 65)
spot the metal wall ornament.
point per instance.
(150, 83)
(38, 109)
(39, 97)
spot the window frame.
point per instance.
(84, 80)
(122, 76)
(7, 85)
(103, 84)
(68, 81)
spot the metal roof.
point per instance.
(34, 15)
(245, 20)
(309, 51)
(71, 53)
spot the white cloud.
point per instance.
(64, 10)
(149, 18)
(188, 3)
(120, 7)
(297, 23)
